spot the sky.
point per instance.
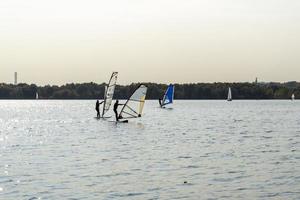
(164, 41)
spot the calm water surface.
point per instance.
(197, 150)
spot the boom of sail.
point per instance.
(109, 92)
(168, 96)
(133, 107)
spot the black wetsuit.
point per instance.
(116, 110)
(159, 100)
(97, 109)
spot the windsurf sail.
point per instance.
(109, 92)
(229, 97)
(169, 95)
(36, 95)
(293, 96)
(133, 107)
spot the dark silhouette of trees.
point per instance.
(155, 91)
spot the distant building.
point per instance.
(16, 78)
(256, 80)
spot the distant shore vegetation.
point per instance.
(182, 91)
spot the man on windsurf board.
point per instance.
(116, 110)
(98, 108)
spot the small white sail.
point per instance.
(293, 97)
(36, 95)
(229, 97)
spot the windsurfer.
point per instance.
(116, 110)
(159, 100)
(97, 108)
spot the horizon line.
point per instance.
(147, 82)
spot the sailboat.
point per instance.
(36, 95)
(229, 97)
(109, 93)
(168, 96)
(293, 97)
(134, 105)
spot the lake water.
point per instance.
(197, 150)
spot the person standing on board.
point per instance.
(116, 109)
(98, 108)
(159, 100)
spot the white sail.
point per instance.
(36, 95)
(133, 107)
(229, 97)
(109, 92)
(293, 97)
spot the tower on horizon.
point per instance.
(16, 78)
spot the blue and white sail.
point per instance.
(168, 96)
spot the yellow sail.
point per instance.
(142, 103)
(133, 107)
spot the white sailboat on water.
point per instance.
(229, 97)
(36, 95)
(293, 97)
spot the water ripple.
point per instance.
(198, 150)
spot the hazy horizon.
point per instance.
(166, 83)
(63, 41)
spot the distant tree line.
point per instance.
(155, 91)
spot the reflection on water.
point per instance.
(198, 150)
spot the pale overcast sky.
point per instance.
(59, 41)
